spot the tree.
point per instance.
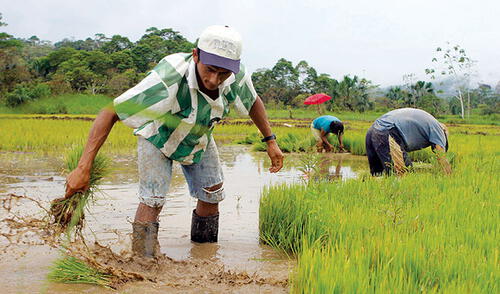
(397, 95)
(163, 42)
(307, 76)
(121, 82)
(485, 98)
(2, 24)
(352, 94)
(13, 68)
(262, 80)
(453, 61)
(116, 44)
(122, 60)
(417, 91)
(47, 65)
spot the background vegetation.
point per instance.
(32, 69)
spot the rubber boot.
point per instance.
(204, 228)
(145, 239)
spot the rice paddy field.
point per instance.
(423, 232)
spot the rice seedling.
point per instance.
(70, 212)
(71, 270)
(397, 157)
(28, 134)
(425, 232)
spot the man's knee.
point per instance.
(214, 188)
(213, 194)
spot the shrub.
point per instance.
(26, 92)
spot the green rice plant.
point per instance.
(250, 139)
(424, 232)
(56, 134)
(71, 270)
(70, 212)
(354, 142)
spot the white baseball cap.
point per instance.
(220, 46)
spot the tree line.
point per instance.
(32, 68)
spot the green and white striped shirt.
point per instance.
(168, 109)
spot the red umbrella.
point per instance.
(317, 99)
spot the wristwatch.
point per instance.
(272, 137)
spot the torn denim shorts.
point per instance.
(155, 174)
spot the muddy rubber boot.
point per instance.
(204, 228)
(145, 239)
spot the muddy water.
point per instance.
(238, 249)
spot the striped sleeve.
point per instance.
(147, 101)
(245, 92)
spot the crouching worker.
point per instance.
(173, 112)
(324, 125)
(412, 129)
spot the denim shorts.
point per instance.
(155, 174)
(315, 132)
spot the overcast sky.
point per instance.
(380, 40)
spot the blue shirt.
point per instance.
(323, 122)
(418, 128)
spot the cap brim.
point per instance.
(219, 61)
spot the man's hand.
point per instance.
(78, 181)
(276, 156)
(328, 147)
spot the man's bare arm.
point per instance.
(259, 117)
(324, 138)
(341, 142)
(78, 179)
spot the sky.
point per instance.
(379, 40)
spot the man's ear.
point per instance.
(195, 55)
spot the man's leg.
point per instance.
(146, 213)
(206, 208)
(317, 135)
(205, 221)
(155, 172)
(205, 181)
(376, 165)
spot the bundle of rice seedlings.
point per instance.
(71, 270)
(397, 157)
(70, 212)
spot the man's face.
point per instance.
(211, 76)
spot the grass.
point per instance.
(77, 103)
(49, 133)
(71, 270)
(62, 104)
(69, 213)
(29, 134)
(423, 232)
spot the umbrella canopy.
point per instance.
(317, 99)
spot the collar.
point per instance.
(191, 75)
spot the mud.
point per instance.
(236, 264)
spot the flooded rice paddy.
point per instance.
(238, 250)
